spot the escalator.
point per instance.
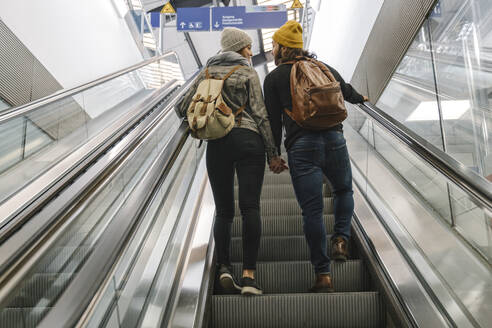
(286, 274)
(126, 239)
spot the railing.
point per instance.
(24, 109)
(76, 124)
(415, 189)
(468, 180)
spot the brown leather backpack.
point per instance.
(317, 100)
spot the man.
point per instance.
(310, 155)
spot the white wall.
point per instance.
(77, 40)
(341, 30)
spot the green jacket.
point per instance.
(242, 87)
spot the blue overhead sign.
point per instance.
(193, 19)
(155, 19)
(248, 17)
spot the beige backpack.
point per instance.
(209, 117)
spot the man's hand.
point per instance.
(366, 99)
(277, 165)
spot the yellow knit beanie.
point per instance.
(289, 35)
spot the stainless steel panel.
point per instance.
(412, 293)
(461, 282)
(22, 77)
(392, 33)
(191, 298)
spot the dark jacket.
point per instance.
(277, 97)
(242, 87)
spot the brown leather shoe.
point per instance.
(339, 250)
(323, 284)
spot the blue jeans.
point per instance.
(310, 157)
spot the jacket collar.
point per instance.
(228, 58)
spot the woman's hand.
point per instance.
(277, 165)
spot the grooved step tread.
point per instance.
(63, 260)
(279, 248)
(22, 317)
(285, 225)
(278, 191)
(41, 287)
(298, 276)
(284, 207)
(363, 309)
(272, 179)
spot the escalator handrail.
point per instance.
(14, 112)
(79, 293)
(466, 179)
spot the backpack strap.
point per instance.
(235, 68)
(240, 114)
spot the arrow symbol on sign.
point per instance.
(183, 24)
(217, 24)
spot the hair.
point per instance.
(291, 54)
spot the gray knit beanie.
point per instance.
(233, 39)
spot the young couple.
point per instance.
(258, 131)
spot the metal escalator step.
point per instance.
(298, 277)
(76, 235)
(271, 178)
(63, 259)
(278, 191)
(21, 317)
(41, 288)
(288, 225)
(364, 309)
(285, 207)
(278, 248)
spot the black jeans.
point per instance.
(242, 151)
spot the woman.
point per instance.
(242, 150)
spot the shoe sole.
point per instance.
(324, 290)
(227, 282)
(340, 257)
(251, 291)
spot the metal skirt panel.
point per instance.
(392, 34)
(22, 77)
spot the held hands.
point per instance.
(277, 165)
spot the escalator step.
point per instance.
(286, 225)
(275, 179)
(298, 277)
(76, 235)
(63, 260)
(284, 207)
(364, 309)
(78, 239)
(41, 287)
(21, 317)
(279, 191)
(279, 248)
